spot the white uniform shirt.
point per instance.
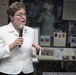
(19, 59)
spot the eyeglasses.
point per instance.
(20, 15)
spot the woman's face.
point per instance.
(19, 18)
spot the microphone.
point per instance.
(20, 31)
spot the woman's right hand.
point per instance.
(17, 42)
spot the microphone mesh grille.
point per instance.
(21, 26)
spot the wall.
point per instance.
(3, 15)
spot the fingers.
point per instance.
(37, 47)
(19, 41)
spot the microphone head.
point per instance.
(20, 31)
(21, 26)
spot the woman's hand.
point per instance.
(17, 42)
(37, 47)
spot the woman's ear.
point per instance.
(11, 18)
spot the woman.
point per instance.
(16, 60)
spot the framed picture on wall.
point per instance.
(37, 34)
(46, 54)
(44, 40)
(73, 41)
(59, 39)
(72, 33)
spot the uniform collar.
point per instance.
(13, 30)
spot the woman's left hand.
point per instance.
(37, 47)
